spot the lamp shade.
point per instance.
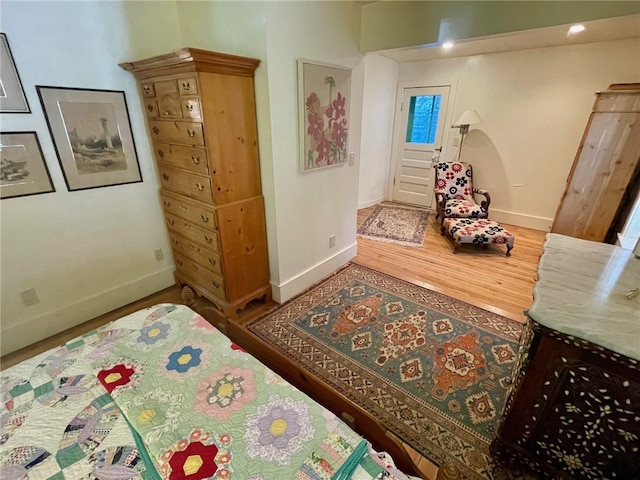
(469, 117)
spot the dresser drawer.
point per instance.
(166, 87)
(151, 107)
(194, 186)
(201, 216)
(196, 252)
(191, 107)
(193, 159)
(193, 232)
(147, 89)
(203, 277)
(183, 133)
(168, 99)
(188, 86)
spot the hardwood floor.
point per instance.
(483, 277)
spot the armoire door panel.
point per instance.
(607, 158)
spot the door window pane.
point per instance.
(423, 119)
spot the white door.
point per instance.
(419, 132)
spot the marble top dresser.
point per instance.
(574, 407)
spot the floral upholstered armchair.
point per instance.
(455, 193)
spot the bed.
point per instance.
(163, 394)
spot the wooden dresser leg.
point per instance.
(187, 295)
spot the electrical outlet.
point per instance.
(29, 297)
(352, 159)
(332, 241)
(159, 255)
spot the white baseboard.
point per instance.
(370, 203)
(521, 220)
(298, 283)
(43, 326)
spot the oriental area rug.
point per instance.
(403, 225)
(432, 369)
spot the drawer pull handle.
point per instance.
(166, 203)
(208, 239)
(171, 222)
(155, 130)
(204, 218)
(195, 159)
(200, 187)
(179, 262)
(190, 107)
(161, 153)
(165, 177)
(191, 133)
(146, 88)
(215, 284)
(186, 86)
(150, 108)
(212, 261)
(183, 207)
(187, 226)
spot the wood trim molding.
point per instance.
(188, 59)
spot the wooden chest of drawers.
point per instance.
(200, 109)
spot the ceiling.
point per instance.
(616, 28)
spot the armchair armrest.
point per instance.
(440, 204)
(484, 205)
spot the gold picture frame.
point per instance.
(92, 136)
(23, 170)
(12, 98)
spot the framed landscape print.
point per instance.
(23, 170)
(323, 114)
(12, 99)
(92, 136)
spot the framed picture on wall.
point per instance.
(92, 136)
(23, 170)
(323, 114)
(12, 99)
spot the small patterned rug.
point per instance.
(403, 225)
(432, 369)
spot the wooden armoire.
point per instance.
(605, 177)
(201, 114)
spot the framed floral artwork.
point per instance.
(323, 114)
(92, 136)
(12, 98)
(23, 170)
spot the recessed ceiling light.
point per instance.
(447, 45)
(576, 29)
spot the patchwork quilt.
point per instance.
(162, 394)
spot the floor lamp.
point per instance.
(469, 117)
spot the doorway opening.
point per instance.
(419, 132)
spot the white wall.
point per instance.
(534, 105)
(91, 251)
(84, 252)
(378, 110)
(312, 206)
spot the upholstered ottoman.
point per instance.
(477, 231)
